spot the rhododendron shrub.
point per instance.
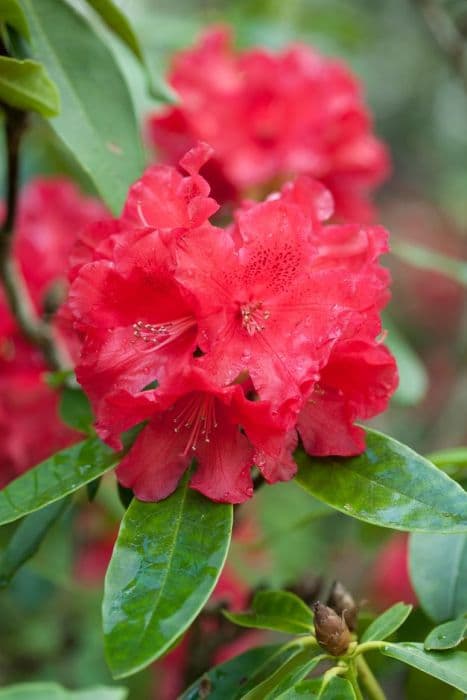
(51, 215)
(269, 117)
(250, 332)
(190, 491)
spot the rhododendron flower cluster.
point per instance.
(269, 117)
(226, 342)
(51, 213)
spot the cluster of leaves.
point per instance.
(279, 671)
(169, 555)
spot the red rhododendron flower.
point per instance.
(51, 213)
(221, 339)
(271, 116)
(355, 384)
(192, 417)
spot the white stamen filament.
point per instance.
(198, 416)
(158, 335)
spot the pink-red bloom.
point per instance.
(226, 341)
(51, 214)
(269, 117)
(390, 580)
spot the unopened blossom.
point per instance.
(228, 343)
(51, 214)
(269, 117)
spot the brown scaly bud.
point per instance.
(342, 602)
(331, 630)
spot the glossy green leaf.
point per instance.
(448, 666)
(53, 691)
(301, 663)
(338, 689)
(308, 689)
(28, 537)
(12, 14)
(75, 410)
(438, 570)
(427, 259)
(97, 121)
(387, 623)
(165, 564)
(25, 85)
(229, 679)
(276, 610)
(413, 377)
(285, 653)
(388, 485)
(448, 635)
(56, 477)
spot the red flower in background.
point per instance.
(269, 117)
(51, 214)
(390, 577)
(220, 338)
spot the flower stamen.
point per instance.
(158, 335)
(254, 317)
(198, 416)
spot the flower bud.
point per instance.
(331, 630)
(342, 602)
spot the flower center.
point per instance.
(198, 417)
(254, 317)
(158, 335)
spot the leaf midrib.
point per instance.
(456, 517)
(169, 567)
(76, 100)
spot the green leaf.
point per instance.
(118, 22)
(338, 689)
(448, 635)
(25, 85)
(52, 691)
(413, 377)
(12, 14)
(276, 610)
(287, 675)
(308, 689)
(97, 121)
(388, 485)
(387, 623)
(165, 564)
(452, 461)
(426, 259)
(28, 537)
(438, 570)
(75, 410)
(56, 477)
(229, 679)
(448, 666)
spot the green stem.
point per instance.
(351, 676)
(369, 682)
(16, 292)
(331, 673)
(368, 646)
